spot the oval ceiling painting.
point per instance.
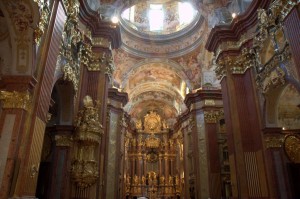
(153, 18)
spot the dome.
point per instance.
(159, 19)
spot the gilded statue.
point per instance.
(140, 142)
(170, 180)
(135, 180)
(138, 124)
(162, 180)
(263, 17)
(143, 180)
(177, 181)
(133, 142)
(128, 180)
(154, 178)
(15, 99)
(164, 125)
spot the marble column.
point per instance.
(245, 145)
(27, 155)
(115, 108)
(204, 106)
(60, 179)
(274, 155)
(13, 134)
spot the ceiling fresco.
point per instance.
(153, 72)
(164, 47)
(166, 111)
(171, 17)
(160, 61)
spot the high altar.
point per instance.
(153, 160)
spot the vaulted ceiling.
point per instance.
(157, 66)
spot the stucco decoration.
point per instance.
(23, 15)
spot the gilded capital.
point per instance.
(20, 100)
(63, 140)
(274, 141)
(211, 116)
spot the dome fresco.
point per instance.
(159, 18)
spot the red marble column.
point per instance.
(246, 152)
(276, 163)
(214, 159)
(12, 125)
(32, 142)
(60, 178)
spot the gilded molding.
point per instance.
(72, 8)
(233, 45)
(270, 22)
(282, 8)
(72, 50)
(100, 41)
(21, 15)
(34, 170)
(44, 20)
(243, 62)
(292, 148)
(109, 66)
(63, 140)
(21, 100)
(236, 64)
(221, 67)
(272, 74)
(152, 142)
(209, 102)
(211, 116)
(274, 141)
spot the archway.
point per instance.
(53, 171)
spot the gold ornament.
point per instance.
(211, 116)
(44, 20)
(152, 122)
(21, 100)
(85, 170)
(152, 141)
(292, 148)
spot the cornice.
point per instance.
(65, 129)
(238, 26)
(115, 95)
(202, 95)
(18, 83)
(180, 119)
(98, 27)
